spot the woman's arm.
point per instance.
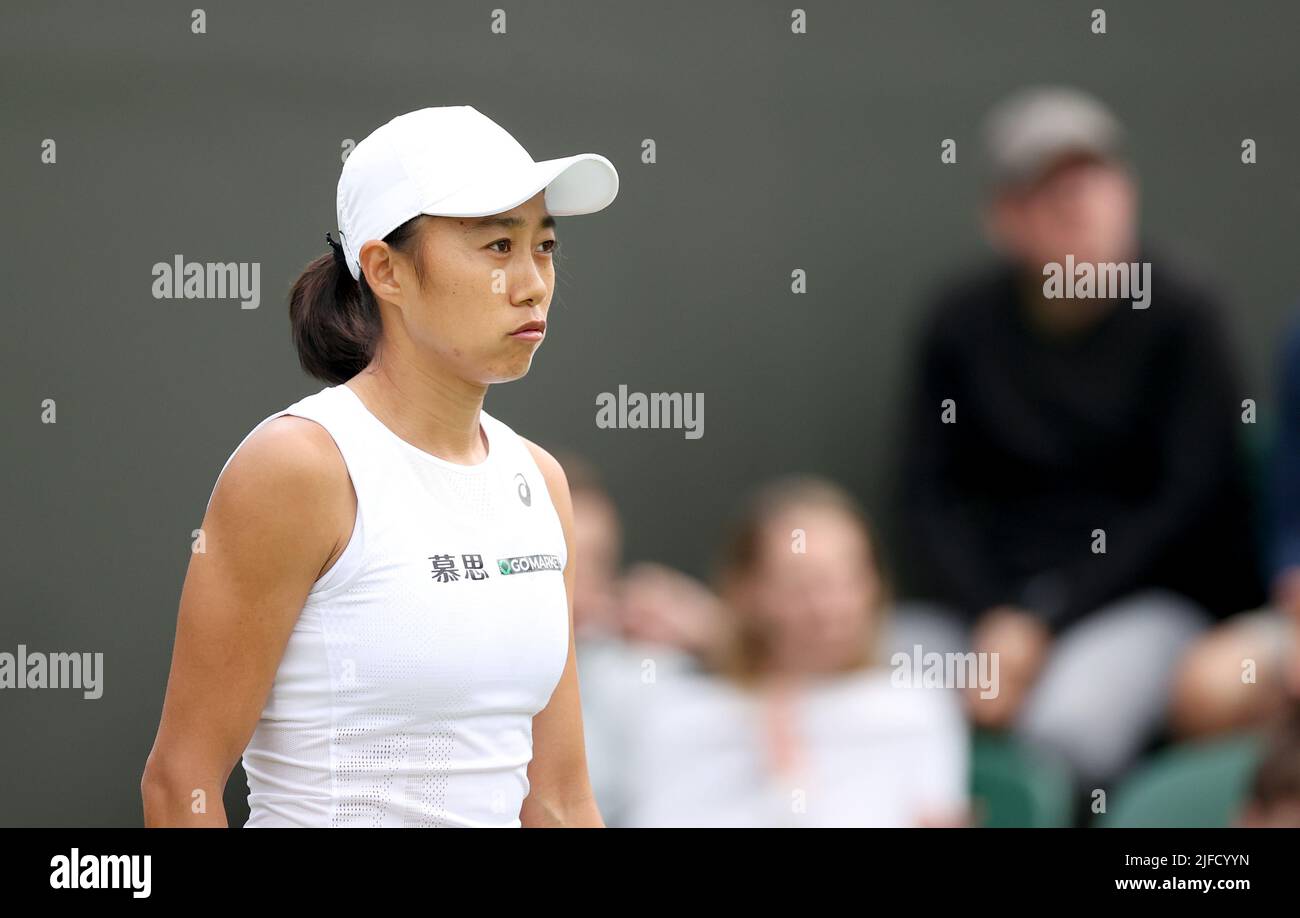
(280, 515)
(560, 789)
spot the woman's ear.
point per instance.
(376, 263)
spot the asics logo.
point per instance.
(525, 494)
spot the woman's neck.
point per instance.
(432, 410)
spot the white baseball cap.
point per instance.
(1035, 127)
(454, 161)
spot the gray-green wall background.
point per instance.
(775, 152)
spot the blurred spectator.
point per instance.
(649, 603)
(1242, 673)
(606, 672)
(1274, 801)
(619, 621)
(598, 540)
(1074, 420)
(795, 722)
(665, 607)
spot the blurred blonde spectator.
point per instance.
(793, 720)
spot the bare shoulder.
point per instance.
(288, 451)
(290, 469)
(557, 483)
(550, 467)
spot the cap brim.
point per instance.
(579, 184)
(1035, 165)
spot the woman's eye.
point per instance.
(547, 246)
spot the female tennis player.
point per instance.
(380, 618)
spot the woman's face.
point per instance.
(816, 595)
(484, 278)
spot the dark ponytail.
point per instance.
(335, 319)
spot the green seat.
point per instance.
(1198, 785)
(1016, 787)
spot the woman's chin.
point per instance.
(510, 370)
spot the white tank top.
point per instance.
(406, 693)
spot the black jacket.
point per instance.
(1132, 426)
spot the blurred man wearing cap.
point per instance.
(1077, 500)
